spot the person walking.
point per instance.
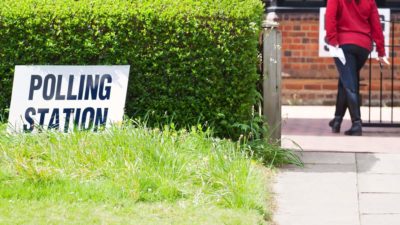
(352, 26)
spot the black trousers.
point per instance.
(349, 78)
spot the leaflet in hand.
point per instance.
(338, 53)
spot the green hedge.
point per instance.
(191, 60)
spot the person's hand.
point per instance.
(383, 59)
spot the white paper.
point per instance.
(338, 53)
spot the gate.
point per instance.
(382, 98)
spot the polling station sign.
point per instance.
(67, 97)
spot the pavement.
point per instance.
(345, 180)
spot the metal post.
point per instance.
(272, 40)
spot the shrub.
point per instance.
(191, 60)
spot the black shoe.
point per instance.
(355, 130)
(335, 124)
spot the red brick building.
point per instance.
(312, 80)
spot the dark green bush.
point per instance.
(191, 60)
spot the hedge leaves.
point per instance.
(192, 61)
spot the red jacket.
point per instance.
(347, 22)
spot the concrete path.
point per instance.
(307, 126)
(345, 180)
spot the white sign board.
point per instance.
(67, 97)
(384, 15)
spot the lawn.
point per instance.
(130, 174)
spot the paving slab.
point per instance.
(327, 158)
(320, 127)
(379, 203)
(317, 219)
(311, 194)
(346, 180)
(379, 183)
(341, 143)
(307, 126)
(378, 163)
(380, 219)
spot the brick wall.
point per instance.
(309, 79)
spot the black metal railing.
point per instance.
(384, 103)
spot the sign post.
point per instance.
(272, 42)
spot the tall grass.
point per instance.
(130, 162)
(259, 143)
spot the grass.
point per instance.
(50, 212)
(130, 174)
